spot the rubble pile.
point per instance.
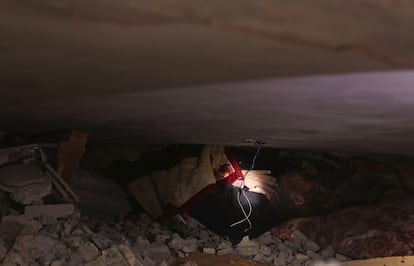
(41, 224)
(59, 235)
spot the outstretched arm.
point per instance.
(260, 181)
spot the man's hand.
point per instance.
(260, 181)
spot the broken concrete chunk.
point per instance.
(300, 256)
(114, 258)
(42, 248)
(265, 250)
(54, 210)
(26, 183)
(224, 251)
(284, 248)
(210, 251)
(155, 251)
(161, 238)
(74, 241)
(310, 245)
(340, 257)
(13, 258)
(247, 247)
(141, 241)
(88, 251)
(20, 175)
(312, 254)
(14, 225)
(280, 260)
(177, 242)
(101, 242)
(265, 239)
(258, 257)
(189, 245)
(31, 193)
(328, 253)
(128, 255)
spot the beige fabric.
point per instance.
(143, 191)
(177, 185)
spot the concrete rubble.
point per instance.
(37, 231)
(81, 240)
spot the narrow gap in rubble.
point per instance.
(198, 204)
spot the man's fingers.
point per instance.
(264, 179)
(253, 172)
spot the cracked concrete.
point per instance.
(77, 63)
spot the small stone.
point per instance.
(310, 245)
(88, 251)
(162, 238)
(87, 230)
(210, 251)
(101, 242)
(265, 250)
(268, 259)
(42, 248)
(340, 257)
(283, 248)
(298, 235)
(52, 210)
(224, 251)
(289, 259)
(113, 257)
(297, 263)
(156, 251)
(265, 239)
(74, 241)
(189, 245)
(78, 232)
(177, 242)
(312, 254)
(14, 225)
(224, 244)
(14, 258)
(258, 257)
(280, 260)
(142, 241)
(163, 263)
(328, 253)
(147, 261)
(301, 256)
(180, 254)
(247, 247)
(127, 254)
(56, 263)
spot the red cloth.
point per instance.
(235, 174)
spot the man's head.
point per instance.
(301, 195)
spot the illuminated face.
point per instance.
(305, 195)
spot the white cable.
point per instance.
(247, 216)
(242, 191)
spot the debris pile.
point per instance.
(40, 228)
(59, 235)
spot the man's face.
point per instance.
(305, 195)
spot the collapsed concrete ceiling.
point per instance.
(212, 72)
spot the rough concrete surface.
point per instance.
(127, 71)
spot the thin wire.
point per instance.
(259, 146)
(243, 192)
